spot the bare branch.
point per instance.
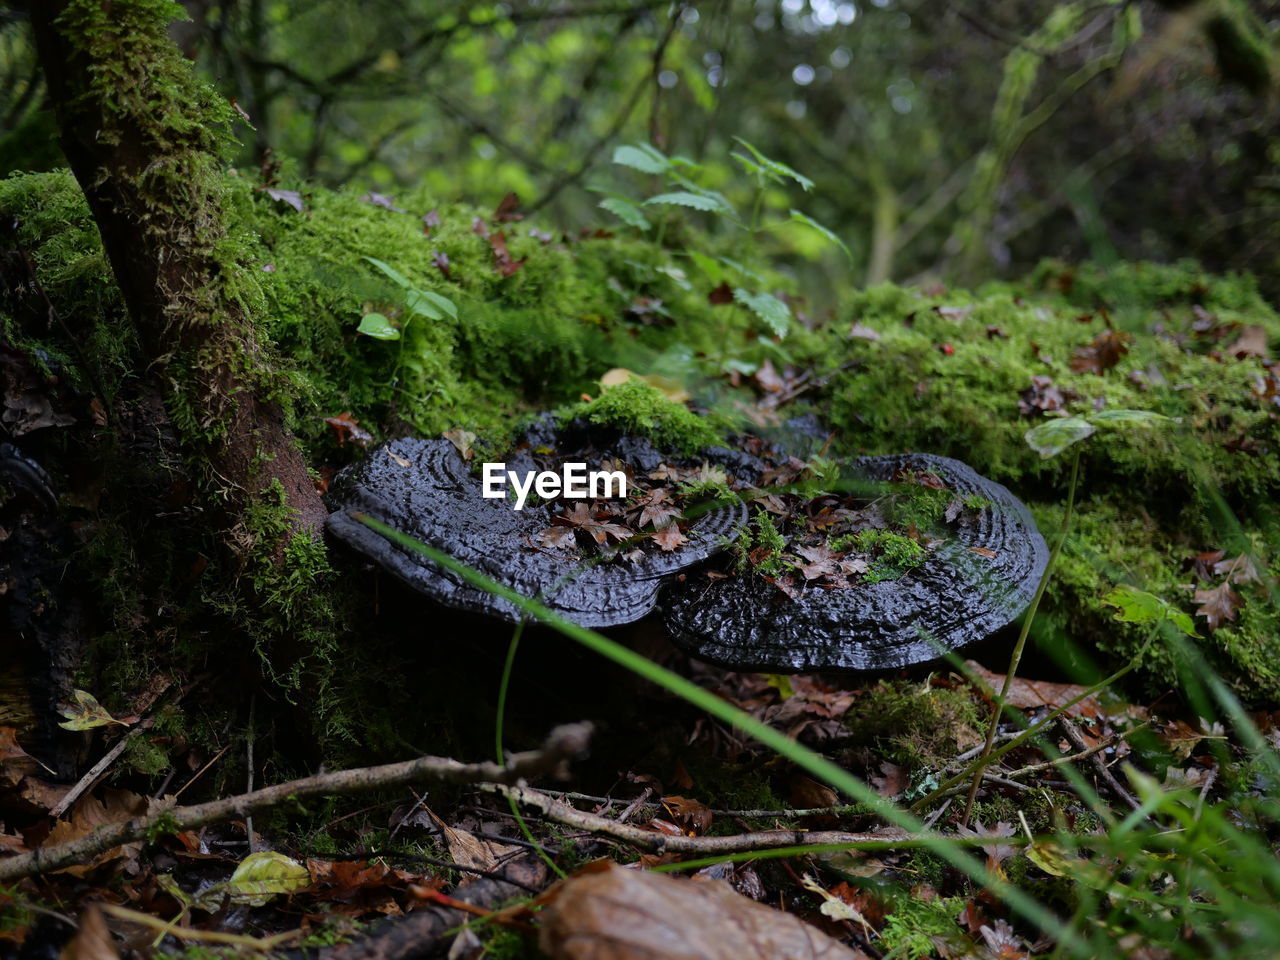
(563, 744)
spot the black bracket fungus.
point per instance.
(425, 488)
(978, 579)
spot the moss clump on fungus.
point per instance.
(893, 553)
(637, 408)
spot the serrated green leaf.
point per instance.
(696, 201)
(84, 713)
(1138, 606)
(777, 169)
(775, 313)
(808, 221)
(265, 874)
(626, 211)
(376, 325)
(1053, 436)
(395, 275)
(1120, 417)
(641, 157)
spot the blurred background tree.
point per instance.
(949, 141)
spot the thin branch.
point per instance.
(654, 842)
(563, 744)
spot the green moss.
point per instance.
(635, 407)
(913, 924)
(760, 547)
(914, 724)
(893, 553)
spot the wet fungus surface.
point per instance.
(600, 564)
(864, 600)
(761, 561)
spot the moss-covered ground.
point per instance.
(951, 372)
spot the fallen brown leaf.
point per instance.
(1218, 604)
(608, 912)
(92, 941)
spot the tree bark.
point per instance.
(143, 135)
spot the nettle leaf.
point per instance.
(1053, 436)
(377, 325)
(775, 313)
(626, 211)
(1138, 606)
(1121, 417)
(697, 201)
(642, 157)
(777, 171)
(395, 275)
(808, 221)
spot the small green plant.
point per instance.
(681, 189)
(416, 303)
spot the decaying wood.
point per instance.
(562, 744)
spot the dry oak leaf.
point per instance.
(608, 912)
(1218, 604)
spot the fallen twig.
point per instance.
(167, 928)
(563, 743)
(653, 842)
(1073, 735)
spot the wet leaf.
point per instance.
(266, 874)
(1053, 436)
(377, 325)
(346, 428)
(693, 815)
(84, 713)
(583, 518)
(1138, 606)
(608, 912)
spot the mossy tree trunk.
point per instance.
(143, 136)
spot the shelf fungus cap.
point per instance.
(979, 580)
(425, 489)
